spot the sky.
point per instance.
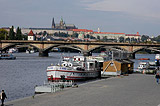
(122, 16)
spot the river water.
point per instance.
(19, 77)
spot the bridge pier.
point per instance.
(43, 53)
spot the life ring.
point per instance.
(64, 64)
(70, 64)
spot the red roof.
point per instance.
(82, 30)
(132, 35)
(31, 33)
(107, 33)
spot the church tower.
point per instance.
(62, 24)
(53, 24)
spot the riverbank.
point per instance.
(132, 90)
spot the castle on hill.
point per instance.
(62, 25)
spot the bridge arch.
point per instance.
(63, 46)
(16, 44)
(140, 49)
(108, 47)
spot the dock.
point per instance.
(132, 90)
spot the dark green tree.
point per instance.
(75, 35)
(144, 38)
(127, 40)
(56, 34)
(12, 34)
(98, 37)
(121, 39)
(105, 39)
(87, 36)
(19, 34)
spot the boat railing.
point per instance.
(58, 85)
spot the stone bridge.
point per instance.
(84, 47)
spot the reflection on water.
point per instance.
(18, 77)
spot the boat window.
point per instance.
(91, 64)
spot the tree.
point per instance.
(3, 34)
(75, 35)
(45, 33)
(157, 38)
(121, 39)
(105, 39)
(87, 36)
(19, 34)
(98, 37)
(12, 34)
(127, 40)
(56, 34)
(144, 38)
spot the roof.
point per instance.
(123, 61)
(31, 33)
(82, 30)
(132, 35)
(107, 33)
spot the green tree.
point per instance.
(56, 34)
(157, 38)
(144, 38)
(98, 37)
(105, 39)
(127, 40)
(75, 35)
(3, 34)
(121, 39)
(19, 34)
(12, 34)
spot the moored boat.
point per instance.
(146, 68)
(144, 59)
(74, 68)
(7, 56)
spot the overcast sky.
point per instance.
(123, 16)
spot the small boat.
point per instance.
(144, 59)
(12, 50)
(142, 66)
(146, 68)
(30, 51)
(7, 56)
(74, 68)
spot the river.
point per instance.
(19, 77)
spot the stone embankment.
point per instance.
(132, 90)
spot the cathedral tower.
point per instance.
(53, 24)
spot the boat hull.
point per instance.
(70, 74)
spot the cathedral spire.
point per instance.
(61, 19)
(53, 23)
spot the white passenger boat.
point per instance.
(74, 68)
(142, 67)
(146, 67)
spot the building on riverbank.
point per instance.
(117, 67)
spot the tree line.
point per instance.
(11, 35)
